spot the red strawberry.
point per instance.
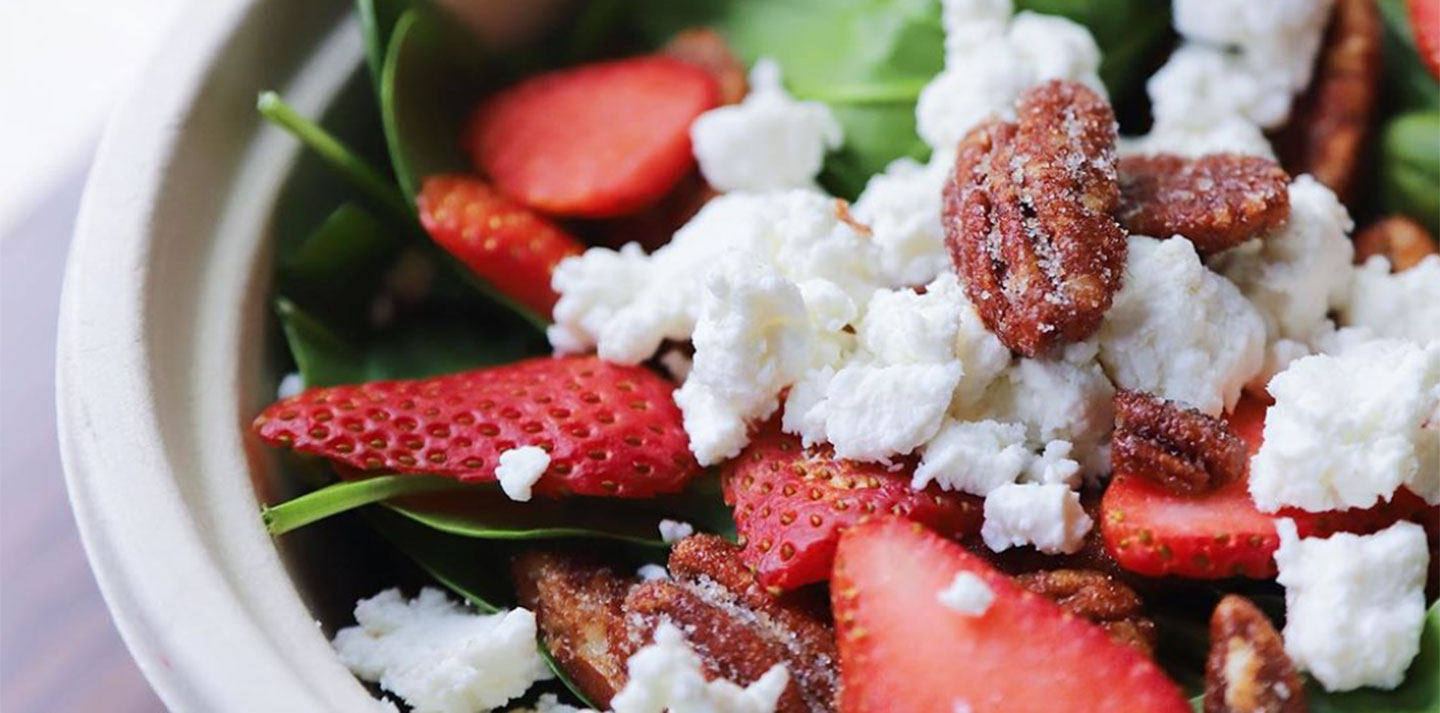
(508, 245)
(1425, 22)
(595, 141)
(902, 650)
(792, 503)
(610, 430)
(1154, 531)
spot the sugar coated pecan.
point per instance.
(1217, 201)
(705, 48)
(1182, 449)
(1028, 218)
(1247, 670)
(1329, 122)
(1397, 238)
(1098, 598)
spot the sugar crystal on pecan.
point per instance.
(1247, 670)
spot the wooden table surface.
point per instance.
(59, 651)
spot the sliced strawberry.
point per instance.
(508, 245)
(610, 430)
(595, 141)
(902, 650)
(1425, 22)
(1248, 420)
(792, 503)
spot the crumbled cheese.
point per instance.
(439, 657)
(1178, 330)
(1295, 276)
(1046, 516)
(1354, 604)
(1227, 135)
(550, 703)
(1348, 429)
(873, 412)
(652, 572)
(1053, 465)
(752, 340)
(1404, 305)
(677, 364)
(595, 288)
(672, 531)
(520, 469)
(905, 327)
(806, 407)
(1201, 86)
(1279, 38)
(767, 142)
(967, 594)
(902, 207)
(970, 22)
(973, 457)
(1065, 398)
(291, 384)
(986, 69)
(668, 675)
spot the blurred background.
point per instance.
(63, 65)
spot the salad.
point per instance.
(812, 356)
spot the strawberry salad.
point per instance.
(975, 355)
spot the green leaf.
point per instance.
(346, 162)
(473, 569)
(415, 348)
(337, 270)
(1408, 83)
(428, 86)
(377, 23)
(347, 495)
(1410, 167)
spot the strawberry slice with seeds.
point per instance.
(1151, 530)
(594, 141)
(508, 245)
(610, 430)
(1425, 22)
(791, 504)
(901, 649)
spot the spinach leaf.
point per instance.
(377, 24)
(336, 271)
(429, 82)
(1408, 83)
(1410, 167)
(473, 569)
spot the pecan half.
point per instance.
(1399, 239)
(1179, 448)
(705, 48)
(1247, 670)
(1098, 598)
(1028, 218)
(579, 608)
(738, 628)
(1217, 201)
(1329, 122)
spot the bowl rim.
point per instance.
(212, 627)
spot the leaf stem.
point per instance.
(340, 157)
(900, 91)
(342, 497)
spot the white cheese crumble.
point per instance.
(1060, 398)
(873, 412)
(651, 572)
(291, 384)
(1348, 429)
(439, 657)
(902, 207)
(520, 469)
(967, 594)
(1046, 516)
(672, 531)
(668, 675)
(973, 457)
(1178, 330)
(767, 142)
(1279, 38)
(1404, 305)
(1354, 604)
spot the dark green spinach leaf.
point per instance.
(1410, 167)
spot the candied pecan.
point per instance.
(1399, 239)
(738, 628)
(1179, 448)
(1329, 122)
(1217, 201)
(1098, 598)
(1028, 218)
(705, 48)
(1247, 670)
(579, 608)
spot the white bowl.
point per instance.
(163, 361)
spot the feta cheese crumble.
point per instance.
(1046, 516)
(967, 594)
(1061, 398)
(1404, 305)
(769, 141)
(975, 457)
(291, 384)
(1178, 330)
(520, 469)
(672, 531)
(1354, 604)
(439, 657)
(668, 675)
(1348, 429)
